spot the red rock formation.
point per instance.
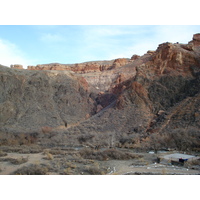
(196, 39)
(135, 57)
(16, 66)
(120, 62)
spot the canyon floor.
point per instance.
(32, 160)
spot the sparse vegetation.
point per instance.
(2, 154)
(15, 161)
(108, 154)
(94, 170)
(32, 170)
(48, 156)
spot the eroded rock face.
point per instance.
(196, 39)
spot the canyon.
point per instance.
(126, 101)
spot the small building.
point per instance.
(175, 158)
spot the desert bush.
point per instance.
(30, 149)
(19, 161)
(56, 152)
(185, 139)
(32, 170)
(3, 153)
(48, 156)
(93, 170)
(67, 171)
(192, 162)
(85, 138)
(18, 138)
(180, 139)
(70, 165)
(15, 161)
(107, 154)
(119, 155)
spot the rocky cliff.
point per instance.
(151, 94)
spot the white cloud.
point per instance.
(48, 37)
(176, 33)
(11, 54)
(137, 39)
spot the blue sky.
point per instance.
(32, 45)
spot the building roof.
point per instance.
(177, 156)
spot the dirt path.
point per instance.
(7, 168)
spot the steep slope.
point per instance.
(30, 100)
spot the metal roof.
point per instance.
(178, 156)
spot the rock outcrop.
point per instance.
(16, 66)
(196, 40)
(87, 67)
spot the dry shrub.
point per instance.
(19, 161)
(15, 161)
(30, 149)
(193, 162)
(56, 152)
(85, 138)
(12, 139)
(70, 165)
(3, 153)
(32, 170)
(108, 154)
(49, 156)
(67, 171)
(93, 170)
